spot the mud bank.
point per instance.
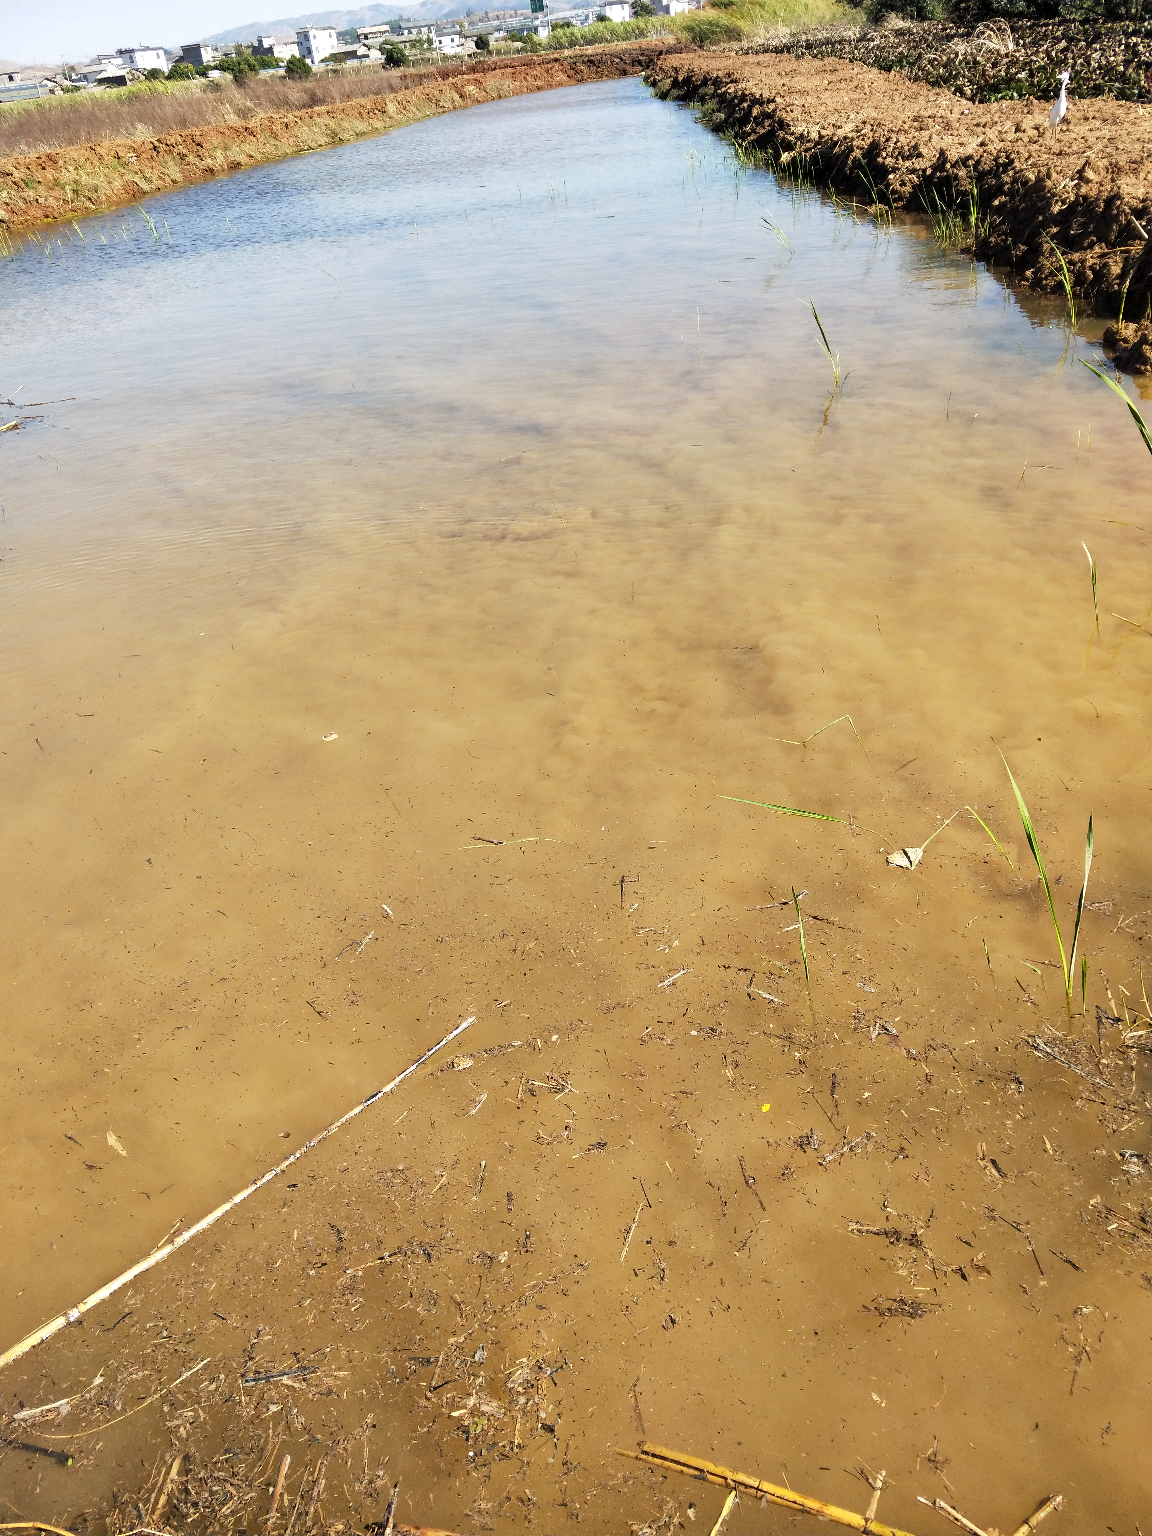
(1088, 191)
(66, 183)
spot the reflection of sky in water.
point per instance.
(565, 247)
(562, 300)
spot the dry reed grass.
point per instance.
(105, 173)
(66, 122)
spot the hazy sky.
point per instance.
(51, 31)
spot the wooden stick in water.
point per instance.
(723, 1477)
(1042, 1510)
(74, 1314)
(725, 1512)
(874, 1503)
(162, 1499)
(285, 1463)
(952, 1514)
(33, 1525)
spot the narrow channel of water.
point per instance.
(502, 450)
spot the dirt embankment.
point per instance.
(1086, 190)
(65, 183)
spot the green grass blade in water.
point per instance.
(1066, 281)
(833, 357)
(1092, 570)
(785, 810)
(1080, 913)
(1141, 424)
(1030, 834)
(991, 834)
(803, 946)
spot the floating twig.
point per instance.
(628, 1234)
(162, 1498)
(1042, 1048)
(33, 1525)
(74, 1314)
(1046, 1506)
(733, 1496)
(390, 1512)
(61, 1405)
(297, 1370)
(155, 1398)
(750, 1182)
(952, 1514)
(285, 1463)
(63, 1458)
(850, 1146)
(877, 1484)
(675, 976)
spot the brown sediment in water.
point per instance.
(1086, 189)
(88, 178)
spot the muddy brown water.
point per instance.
(501, 451)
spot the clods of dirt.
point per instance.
(1130, 346)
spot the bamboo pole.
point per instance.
(723, 1477)
(74, 1314)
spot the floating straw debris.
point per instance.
(74, 1314)
(708, 1472)
(664, 1460)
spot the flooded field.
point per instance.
(416, 546)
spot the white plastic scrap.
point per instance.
(906, 858)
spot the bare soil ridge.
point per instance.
(1086, 190)
(88, 178)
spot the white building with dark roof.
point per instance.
(316, 43)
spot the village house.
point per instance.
(316, 43)
(453, 42)
(119, 67)
(410, 35)
(268, 47)
(16, 85)
(143, 58)
(199, 53)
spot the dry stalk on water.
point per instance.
(158, 1255)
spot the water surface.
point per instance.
(503, 448)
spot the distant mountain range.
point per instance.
(359, 16)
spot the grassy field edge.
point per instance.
(68, 183)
